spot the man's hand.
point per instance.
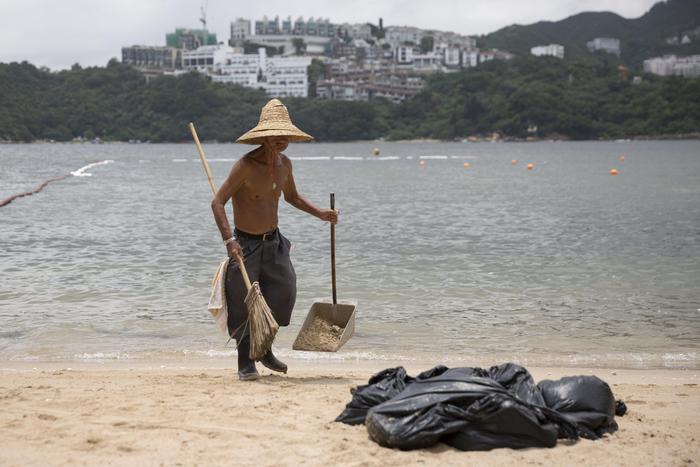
(330, 215)
(233, 249)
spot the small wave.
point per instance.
(348, 158)
(102, 356)
(81, 172)
(343, 356)
(387, 158)
(179, 160)
(220, 159)
(433, 157)
(301, 355)
(311, 158)
(463, 157)
(680, 357)
(211, 353)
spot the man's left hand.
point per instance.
(330, 215)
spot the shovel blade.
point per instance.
(341, 314)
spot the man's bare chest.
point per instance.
(260, 183)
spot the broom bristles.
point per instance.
(263, 326)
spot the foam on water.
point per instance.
(311, 158)
(81, 172)
(98, 356)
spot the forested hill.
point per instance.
(560, 98)
(640, 38)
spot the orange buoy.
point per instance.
(467, 165)
(514, 161)
(622, 157)
(530, 166)
(421, 162)
(613, 172)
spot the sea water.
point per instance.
(447, 262)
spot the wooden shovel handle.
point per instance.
(335, 296)
(207, 171)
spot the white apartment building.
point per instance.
(404, 55)
(470, 58)
(427, 62)
(672, 65)
(662, 66)
(314, 45)
(277, 76)
(606, 44)
(398, 35)
(452, 39)
(204, 58)
(452, 57)
(356, 31)
(554, 50)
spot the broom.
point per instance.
(262, 325)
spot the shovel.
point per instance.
(338, 314)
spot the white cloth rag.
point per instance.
(217, 300)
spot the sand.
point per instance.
(198, 415)
(321, 335)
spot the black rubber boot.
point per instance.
(273, 363)
(246, 366)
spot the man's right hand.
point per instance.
(234, 249)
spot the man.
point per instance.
(254, 185)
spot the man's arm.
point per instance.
(292, 196)
(234, 181)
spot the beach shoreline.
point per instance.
(197, 412)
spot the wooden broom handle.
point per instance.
(207, 171)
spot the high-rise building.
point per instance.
(313, 27)
(190, 39)
(267, 26)
(240, 32)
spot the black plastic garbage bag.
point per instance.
(476, 409)
(518, 381)
(586, 401)
(466, 411)
(380, 387)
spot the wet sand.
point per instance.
(199, 414)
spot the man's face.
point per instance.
(277, 143)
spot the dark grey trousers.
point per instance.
(268, 263)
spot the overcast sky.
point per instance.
(58, 33)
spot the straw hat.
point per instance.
(274, 121)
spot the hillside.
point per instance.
(640, 38)
(561, 98)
